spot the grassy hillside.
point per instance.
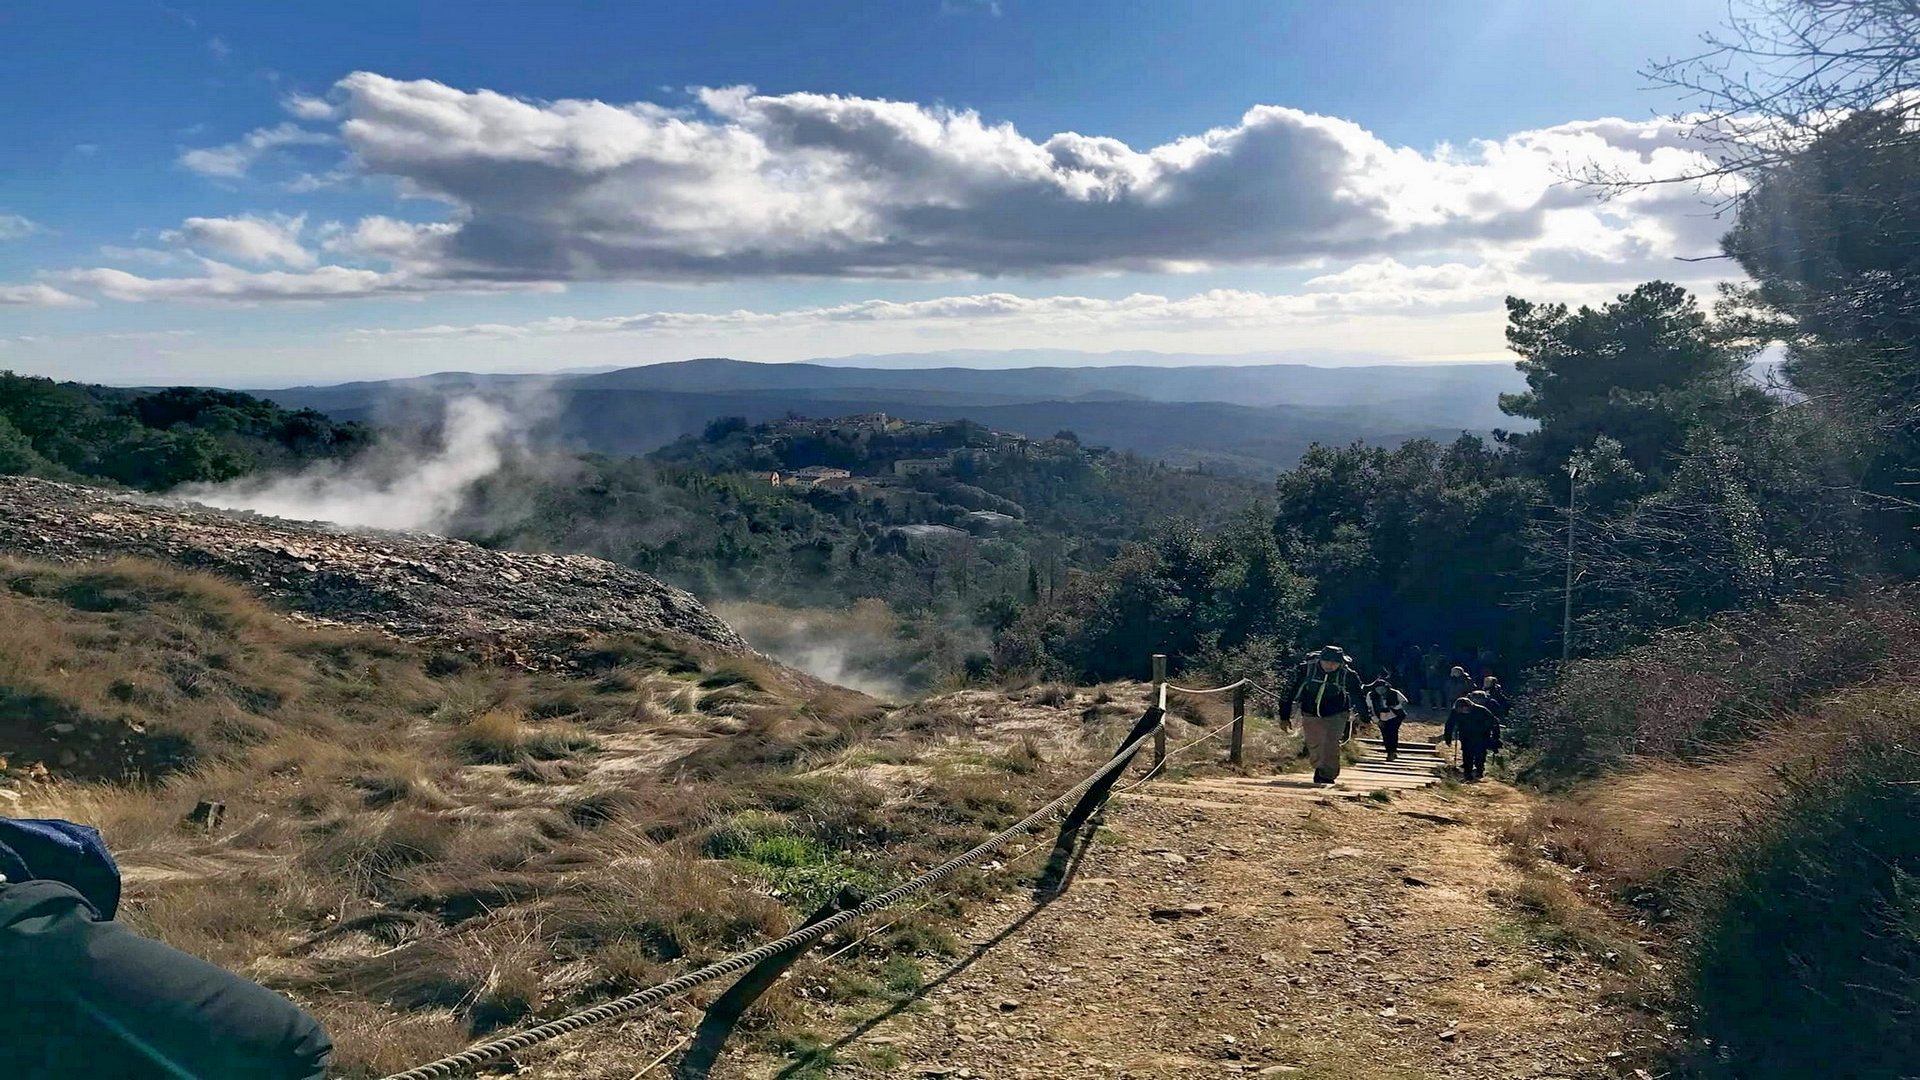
(422, 849)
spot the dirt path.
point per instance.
(1222, 928)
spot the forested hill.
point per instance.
(159, 439)
(1251, 418)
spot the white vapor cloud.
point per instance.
(249, 238)
(232, 160)
(411, 488)
(37, 295)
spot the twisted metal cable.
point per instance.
(454, 1064)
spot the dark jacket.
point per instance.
(1323, 693)
(1496, 699)
(88, 998)
(1458, 686)
(1471, 721)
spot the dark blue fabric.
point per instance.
(46, 849)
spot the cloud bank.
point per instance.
(742, 185)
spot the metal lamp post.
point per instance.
(1566, 609)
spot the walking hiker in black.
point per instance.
(1389, 708)
(1327, 691)
(1478, 729)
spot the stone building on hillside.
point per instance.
(809, 477)
(920, 466)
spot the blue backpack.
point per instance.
(45, 849)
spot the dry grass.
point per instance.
(421, 849)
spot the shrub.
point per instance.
(1698, 687)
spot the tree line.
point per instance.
(1673, 472)
(156, 440)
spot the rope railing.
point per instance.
(1236, 684)
(806, 936)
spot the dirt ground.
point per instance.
(1229, 927)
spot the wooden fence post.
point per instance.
(724, 1014)
(1160, 702)
(1236, 750)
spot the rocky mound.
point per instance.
(410, 585)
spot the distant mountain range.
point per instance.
(1247, 417)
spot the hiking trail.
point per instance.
(1255, 926)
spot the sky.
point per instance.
(266, 195)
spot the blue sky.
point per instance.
(263, 194)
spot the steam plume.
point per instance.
(418, 486)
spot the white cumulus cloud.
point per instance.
(307, 107)
(37, 295)
(744, 185)
(248, 238)
(232, 160)
(225, 283)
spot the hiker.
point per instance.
(1496, 697)
(1434, 665)
(1328, 693)
(1478, 730)
(92, 998)
(1389, 708)
(1459, 684)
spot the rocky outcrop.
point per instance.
(410, 585)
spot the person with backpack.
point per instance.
(1328, 693)
(1459, 684)
(1474, 723)
(90, 998)
(1389, 708)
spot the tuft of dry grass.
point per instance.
(501, 736)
